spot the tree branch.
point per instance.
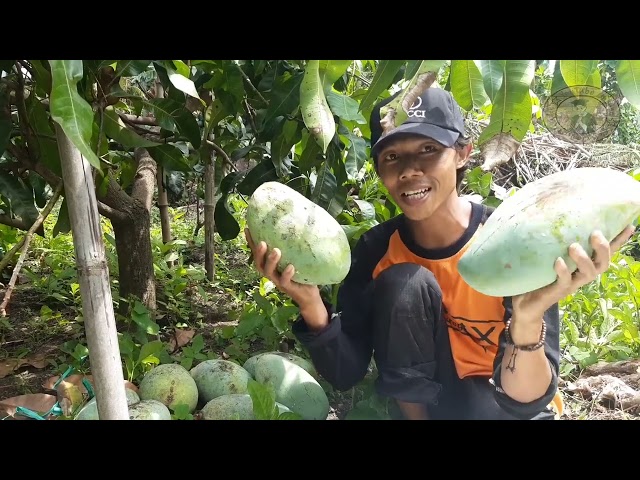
(225, 157)
(138, 120)
(145, 181)
(14, 222)
(111, 213)
(248, 80)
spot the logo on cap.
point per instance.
(413, 112)
(581, 114)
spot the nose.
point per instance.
(411, 167)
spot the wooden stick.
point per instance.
(25, 247)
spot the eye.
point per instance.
(390, 157)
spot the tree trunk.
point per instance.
(163, 206)
(135, 258)
(131, 220)
(209, 222)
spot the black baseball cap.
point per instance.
(435, 114)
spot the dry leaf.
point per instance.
(498, 150)
(9, 365)
(77, 380)
(180, 338)
(37, 402)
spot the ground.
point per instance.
(30, 351)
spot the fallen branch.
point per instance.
(25, 248)
(7, 258)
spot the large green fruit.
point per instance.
(219, 377)
(149, 410)
(170, 384)
(235, 406)
(250, 364)
(90, 410)
(294, 386)
(515, 251)
(307, 235)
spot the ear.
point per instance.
(464, 155)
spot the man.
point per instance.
(441, 349)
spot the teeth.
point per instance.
(416, 192)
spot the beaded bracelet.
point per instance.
(527, 348)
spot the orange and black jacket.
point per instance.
(343, 350)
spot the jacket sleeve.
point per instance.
(342, 351)
(552, 351)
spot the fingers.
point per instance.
(271, 264)
(622, 238)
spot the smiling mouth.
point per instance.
(416, 193)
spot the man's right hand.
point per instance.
(306, 296)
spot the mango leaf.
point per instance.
(311, 155)
(327, 194)
(356, 156)
(510, 115)
(411, 69)
(46, 147)
(281, 146)
(69, 109)
(577, 72)
(174, 117)
(284, 98)
(63, 223)
(170, 158)
(226, 224)
(42, 77)
(492, 76)
(628, 75)
(20, 196)
(180, 81)
(132, 68)
(265, 171)
(331, 71)
(382, 79)
(115, 129)
(467, 85)
(39, 188)
(345, 107)
(557, 83)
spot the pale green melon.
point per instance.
(219, 377)
(149, 410)
(307, 235)
(235, 406)
(90, 410)
(171, 384)
(250, 363)
(294, 386)
(515, 251)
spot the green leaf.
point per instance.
(115, 129)
(557, 83)
(578, 72)
(511, 111)
(356, 156)
(20, 196)
(69, 109)
(170, 158)
(311, 156)
(265, 171)
(492, 76)
(467, 85)
(42, 77)
(284, 98)
(149, 349)
(226, 224)
(181, 82)
(382, 80)
(290, 416)
(63, 223)
(175, 117)
(628, 75)
(132, 68)
(281, 146)
(144, 321)
(345, 107)
(327, 194)
(411, 68)
(330, 71)
(264, 400)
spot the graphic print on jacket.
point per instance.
(475, 320)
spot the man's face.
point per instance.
(420, 173)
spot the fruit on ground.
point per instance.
(149, 410)
(235, 406)
(294, 386)
(170, 384)
(219, 377)
(250, 364)
(90, 410)
(308, 237)
(515, 251)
